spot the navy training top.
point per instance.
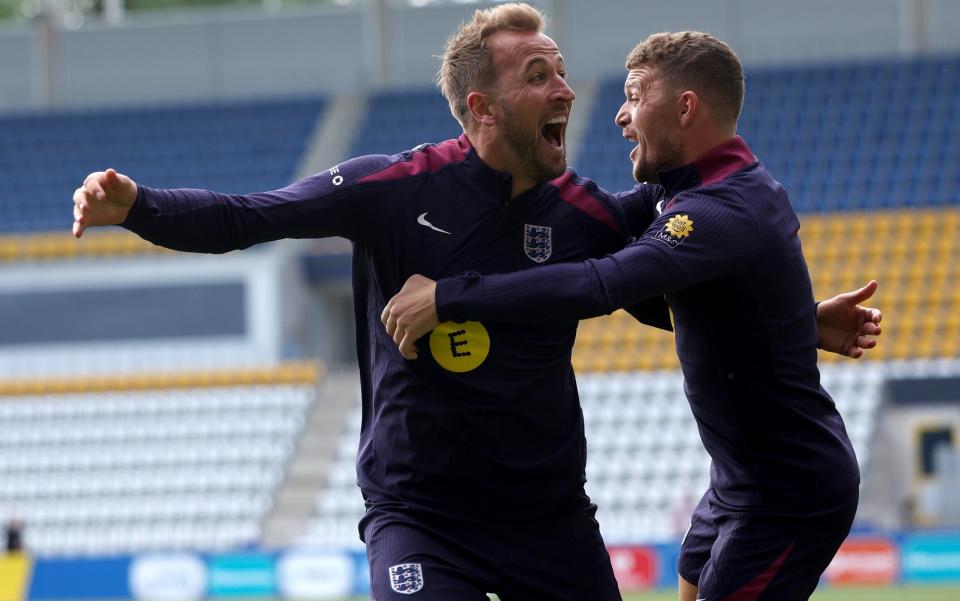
(726, 254)
(487, 421)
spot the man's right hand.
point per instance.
(104, 198)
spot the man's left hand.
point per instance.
(846, 328)
(411, 313)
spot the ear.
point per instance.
(481, 108)
(688, 104)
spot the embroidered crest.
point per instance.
(406, 578)
(537, 242)
(677, 229)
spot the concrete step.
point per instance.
(306, 471)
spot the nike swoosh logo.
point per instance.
(422, 220)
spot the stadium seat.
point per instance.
(230, 146)
(385, 130)
(156, 469)
(818, 129)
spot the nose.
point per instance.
(622, 118)
(563, 91)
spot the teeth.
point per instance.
(557, 119)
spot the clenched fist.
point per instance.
(104, 198)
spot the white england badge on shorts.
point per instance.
(406, 578)
(537, 242)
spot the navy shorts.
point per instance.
(751, 556)
(444, 559)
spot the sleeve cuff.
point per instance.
(139, 213)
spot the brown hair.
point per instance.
(467, 64)
(698, 61)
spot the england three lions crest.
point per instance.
(406, 578)
(537, 242)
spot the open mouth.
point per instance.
(553, 130)
(635, 149)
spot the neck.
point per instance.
(492, 152)
(703, 140)
(519, 185)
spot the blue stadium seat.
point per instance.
(231, 146)
(388, 129)
(824, 130)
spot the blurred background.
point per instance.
(178, 426)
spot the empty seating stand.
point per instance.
(397, 120)
(190, 465)
(339, 505)
(232, 147)
(865, 135)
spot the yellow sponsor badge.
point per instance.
(679, 226)
(677, 229)
(460, 347)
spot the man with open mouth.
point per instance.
(471, 461)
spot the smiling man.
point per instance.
(471, 460)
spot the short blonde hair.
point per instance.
(467, 64)
(698, 61)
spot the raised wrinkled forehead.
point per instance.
(516, 50)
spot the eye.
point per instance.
(562, 74)
(536, 77)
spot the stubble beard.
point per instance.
(527, 150)
(668, 157)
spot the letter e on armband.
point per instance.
(460, 347)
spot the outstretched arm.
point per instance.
(330, 203)
(843, 326)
